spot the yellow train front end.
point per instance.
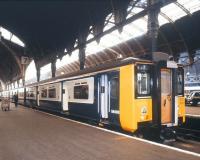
(151, 94)
(180, 96)
(135, 99)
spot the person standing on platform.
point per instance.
(15, 98)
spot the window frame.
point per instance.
(150, 70)
(182, 89)
(111, 95)
(42, 89)
(53, 88)
(80, 86)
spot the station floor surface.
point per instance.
(26, 134)
(193, 110)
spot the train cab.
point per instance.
(153, 94)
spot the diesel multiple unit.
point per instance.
(130, 93)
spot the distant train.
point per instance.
(190, 87)
(130, 93)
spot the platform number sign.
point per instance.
(24, 60)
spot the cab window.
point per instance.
(143, 80)
(180, 82)
(114, 82)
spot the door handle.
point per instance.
(165, 101)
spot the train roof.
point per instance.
(102, 67)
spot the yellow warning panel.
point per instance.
(181, 109)
(128, 118)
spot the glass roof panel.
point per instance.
(191, 5)
(173, 11)
(134, 29)
(45, 72)
(16, 40)
(134, 11)
(162, 20)
(5, 33)
(30, 73)
(11, 37)
(67, 59)
(93, 47)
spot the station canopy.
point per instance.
(49, 30)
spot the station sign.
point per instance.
(24, 60)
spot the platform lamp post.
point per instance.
(53, 67)
(38, 72)
(0, 33)
(82, 56)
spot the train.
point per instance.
(130, 93)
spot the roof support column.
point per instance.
(23, 74)
(38, 73)
(153, 25)
(18, 83)
(53, 68)
(82, 57)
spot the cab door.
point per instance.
(113, 97)
(166, 96)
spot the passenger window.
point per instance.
(44, 93)
(52, 93)
(114, 86)
(21, 94)
(143, 80)
(31, 94)
(81, 92)
(197, 95)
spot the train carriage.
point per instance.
(129, 93)
(49, 97)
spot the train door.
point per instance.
(103, 96)
(166, 96)
(113, 97)
(65, 96)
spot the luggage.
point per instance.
(5, 104)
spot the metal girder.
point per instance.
(53, 68)
(183, 8)
(13, 54)
(172, 22)
(133, 4)
(127, 21)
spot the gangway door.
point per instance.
(166, 96)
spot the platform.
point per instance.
(30, 135)
(193, 111)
